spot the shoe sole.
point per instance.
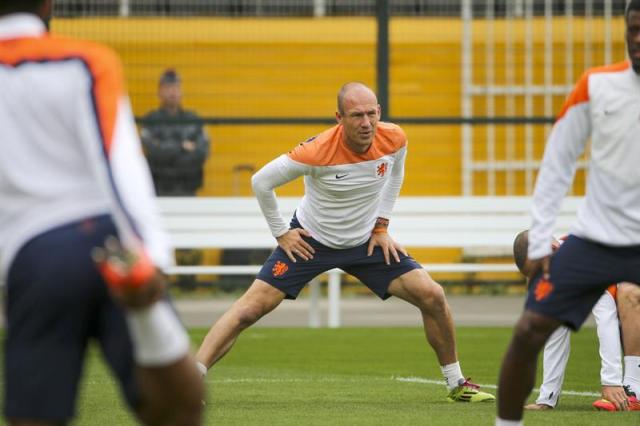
(469, 401)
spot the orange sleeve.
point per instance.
(392, 137)
(319, 150)
(101, 62)
(108, 89)
(304, 152)
(580, 92)
(579, 95)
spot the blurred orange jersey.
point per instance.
(69, 144)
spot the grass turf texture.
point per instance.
(356, 377)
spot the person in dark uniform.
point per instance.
(174, 141)
(176, 147)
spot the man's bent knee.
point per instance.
(533, 330)
(430, 293)
(628, 296)
(260, 299)
(247, 313)
(419, 289)
(432, 298)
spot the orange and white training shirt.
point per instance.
(605, 104)
(344, 191)
(69, 149)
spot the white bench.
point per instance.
(475, 224)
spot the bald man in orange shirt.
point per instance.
(352, 173)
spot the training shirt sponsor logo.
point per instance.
(381, 169)
(543, 289)
(279, 269)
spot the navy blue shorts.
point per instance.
(56, 302)
(579, 272)
(290, 278)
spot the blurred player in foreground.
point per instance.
(604, 245)
(556, 351)
(71, 175)
(353, 173)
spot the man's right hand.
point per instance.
(293, 244)
(132, 279)
(531, 267)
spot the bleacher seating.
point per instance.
(478, 224)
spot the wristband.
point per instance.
(380, 226)
(381, 222)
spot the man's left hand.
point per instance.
(616, 395)
(531, 267)
(388, 246)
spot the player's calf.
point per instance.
(172, 395)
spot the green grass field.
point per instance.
(363, 376)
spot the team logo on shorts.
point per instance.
(381, 169)
(279, 269)
(543, 290)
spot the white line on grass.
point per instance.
(360, 380)
(294, 380)
(441, 382)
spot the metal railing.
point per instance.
(320, 8)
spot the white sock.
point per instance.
(632, 373)
(452, 374)
(158, 336)
(503, 422)
(201, 368)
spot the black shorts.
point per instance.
(372, 271)
(56, 302)
(580, 271)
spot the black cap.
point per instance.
(169, 76)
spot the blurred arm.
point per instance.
(606, 316)
(118, 163)
(565, 144)
(392, 188)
